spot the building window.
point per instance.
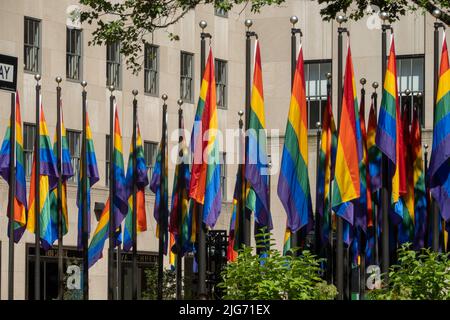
(107, 160)
(29, 132)
(113, 70)
(410, 75)
(221, 12)
(316, 89)
(221, 69)
(74, 141)
(73, 54)
(150, 151)
(223, 175)
(187, 76)
(32, 44)
(151, 69)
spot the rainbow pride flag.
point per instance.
(141, 183)
(256, 162)
(205, 173)
(159, 170)
(66, 174)
(48, 180)
(92, 178)
(389, 137)
(287, 241)
(234, 240)
(101, 233)
(346, 184)
(20, 200)
(172, 254)
(420, 198)
(293, 182)
(327, 154)
(181, 181)
(121, 193)
(439, 169)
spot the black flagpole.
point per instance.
(330, 256)
(384, 169)
(202, 292)
(180, 181)
(339, 222)
(111, 281)
(163, 205)
(375, 204)
(318, 222)
(84, 182)
(12, 194)
(434, 206)
(134, 212)
(59, 200)
(362, 265)
(37, 233)
(295, 239)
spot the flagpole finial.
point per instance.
(375, 85)
(318, 125)
(436, 13)
(240, 113)
(135, 92)
(329, 75)
(111, 88)
(180, 102)
(407, 92)
(293, 20)
(362, 81)
(37, 77)
(341, 19)
(425, 146)
(419, 94)
(164, 97)
(83, 84)
(203, 24)
(58, 80)
(384, 16)
(248, 23)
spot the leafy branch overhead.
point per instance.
(132, 22)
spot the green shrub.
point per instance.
(273, 277)
(422, 275)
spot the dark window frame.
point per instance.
(150, 164)
(148, 70)
(27, 46)
(114, 66)
(28, 150)
(220, 12)
(74, 158)
(74, 55)
(223, 84)
(184, 77)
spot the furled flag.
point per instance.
(172, 254)
(141, 183)
(20, 199)
(159, 177)
(205, 174)
(234, 240)
(439, 169)
(346, 183)
(120, 203)
(48, 180)
(66, 174)
(287, 241)
(420, 199)
(93, 177)
(327, 153)
(406, 228)
(293, 182)
(373, 152)
(181, 182)
(101, 233)
(389, 137)
(256, 161)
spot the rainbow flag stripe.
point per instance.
(155, 187)
(141, 183)
(101, 233)
(256, 162)
(66, 174)
(20, 199)
(439, 170)
(327, 154)
(373, 152)
(287, 241)
(48, 180)
(293, 182)
(346, 184)
(205, 176)
(389, 137)
(93, 177)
